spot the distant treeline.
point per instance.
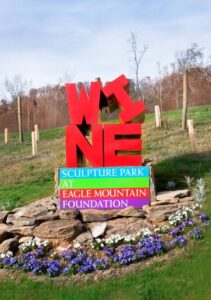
(47, 106)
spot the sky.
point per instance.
(44, 40)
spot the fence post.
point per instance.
(34, 144)
(191, 134)
(20, 129)
(6, 135)
(185, 100)
(157, 116)
(56, 180)
(37, 134)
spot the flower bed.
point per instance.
(117, 250)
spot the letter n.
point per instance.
(77, 144)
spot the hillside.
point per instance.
(24, 178)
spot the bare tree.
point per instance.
(192, 57)
(137, 56)
(17, 87)
(160, 74)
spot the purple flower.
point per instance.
(176, 231)
(126, 256)
(196, 233)
(152, 245)
(180, 241)
(10, 262)
(204, 218)
(53, 268)
(68, 254)
(109, 251)
(39, 252)
(38, 266)
(188, 222)
(101, 264)
(116, 258)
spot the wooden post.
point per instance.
(37, 134)
(56, 180)
(157, 116)
(20, 121)
(6, 135)
(34, 144)
(191, 134)
(185, 100)
(149, 164)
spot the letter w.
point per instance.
(84, 106)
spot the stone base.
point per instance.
(43, 219)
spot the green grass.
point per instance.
(24, 178)
(197, 113)
(187, 276)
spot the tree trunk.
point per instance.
(28, 115)
(185, 100)
(20, 129)
(177, 100)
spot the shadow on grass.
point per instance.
(176, 168)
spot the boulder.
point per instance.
(36, 209)
(159, 216)
(95, 215)
(4, 234)
(167, 201)
(49, 216)
(25, 239)
(161, 208)
(161, 213)
(84, 238)
(21, 230)
(168, 195)
(185, 203)
(9, 245)
(98, 229)
(45, 203)
(186, 199)
(126, 226)
(69, 214)
(20, 221)
(59, 229)
(33, 213)
(130, 212)
(3, 215)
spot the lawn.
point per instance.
(24, 178)
(188, 276)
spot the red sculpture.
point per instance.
(130, 108)
(111, 142)
(85, 106)
(115, 140)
